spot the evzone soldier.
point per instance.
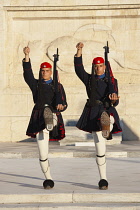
(99, 116)
(46, 122)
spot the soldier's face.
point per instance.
(46, 73)
(99, 68)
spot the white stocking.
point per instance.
(111, 122)
(100, 146)
(43, 147)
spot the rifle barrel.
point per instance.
(55, 76)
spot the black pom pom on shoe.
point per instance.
(103, 184)
(48, 184)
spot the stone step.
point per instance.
(72, 141)
(73, 206)
(65, 154)
(77, 137)
(76, 184)
(70, 198)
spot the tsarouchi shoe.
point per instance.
(48, 184)
(105, 124)
(103, 184)
(48, 118)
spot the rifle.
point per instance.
(106, 59)
(109, 72)
(55, 72)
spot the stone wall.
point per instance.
(44, 26)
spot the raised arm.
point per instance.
(26, 51)
(79, 47)
(27, 70)
(79, 68)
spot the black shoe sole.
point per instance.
(48, 184)
(103, 184)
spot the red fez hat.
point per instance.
(98, 60)
(45, 65)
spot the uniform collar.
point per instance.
(100, 76)
(47, 82)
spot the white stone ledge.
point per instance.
(118, 154)
(69, 206)
(106, 197)
(72, 7)
(65, 3)
(70, 198)
(30, 198)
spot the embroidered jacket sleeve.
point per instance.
(80, 71)
(29, 76)
(61, 96)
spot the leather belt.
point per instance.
(99, 102)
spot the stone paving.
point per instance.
(71, 175)
(76, 179)
(29, 150)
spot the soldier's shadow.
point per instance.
(40, 187)
(22, 184)
(19, 183)
(80, 184)
(19, 175)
